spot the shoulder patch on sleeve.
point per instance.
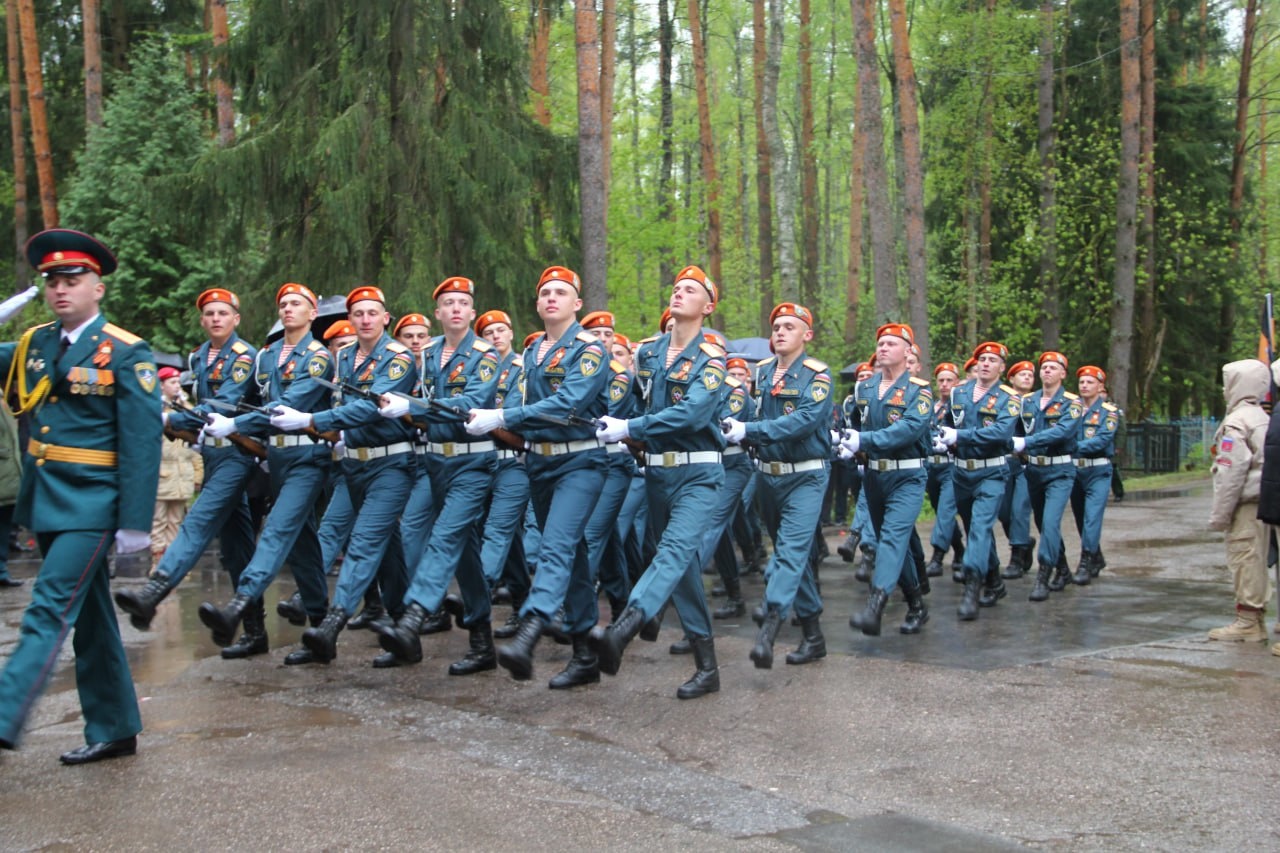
(916, 380)
(481, 345)
(711, 349)
(125, 337)
(815, 365)
(239, 347)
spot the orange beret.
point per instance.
(864, 367)
(619, 338)
(366, 292)
(992, 348)
(1096, 372)
(218, 294)
(969, 365)
(897, 330)
(792, 309)
(410, 320)
(564, 274)
(1054, 356)
(455, 284)
(693, 273)
(740, 363)
(1020, 366)
(529, 338)
(598, 320)
(945, 365)
(488, 318)
(340, 329)
(299, 289)
(716, 338)
(663, 320)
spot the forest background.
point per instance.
(1088, 176)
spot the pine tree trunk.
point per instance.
(221, 88)
(913, 178)
(1238, 161)
(595, 291)
(873, 164)
(666, 43)
(708, 149)
(853, 280)
(39, 119)
(539, 48)
(1146, 339)
(1048, 145)
(1121, 351)
(783, 198)
(764, 167)
(92, 64)
(808, 166)
(608, 72)
(20, 269)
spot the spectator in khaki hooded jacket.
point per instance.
(1237, 475)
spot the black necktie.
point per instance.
(63, 345)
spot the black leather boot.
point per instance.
(867, 620)
(758, 612)
(583, 667)
(224, 621)
(323, 639)
(867, 567)
(1015, 569)
(401, 638)
(1061, 575)
(302, 655)
(609, 643)
(1097, 564)
(917, 611)
(372, 612)
(993, 589)
(707, 677)
(649, 630)
(292, 609)
(968, 609)
(141, 604)
(813, 646)
(934, 568)
(733, 606)
(848, 549)
(254, 639)
(762, 651)
(436, 623)
(480, 657)
(1082, 575)
(681, 646)
(554, 628)
(957, 571)
(508, 628)
(1040, 591)
(516, 657)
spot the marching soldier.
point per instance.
(1094, 449)
(1015, 509)
(947, 534)
(90, 476)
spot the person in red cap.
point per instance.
(88, 389)
(947, 533)
(979, 427)
(299, 462)
(1095, 447)
(181, 471)
(792, 437)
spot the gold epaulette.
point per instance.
(815, 365)
(1109, 406)
(711, 349)
(518, 361)
(1070, 396)
(239, 348)
(481, 345)
(125, 337)
(650, 339)
(1008, 389)
(732, 383)
(587, 338)
(315, 345)
(762, 362)
(616, 366)
(396, 347)
(916, 380)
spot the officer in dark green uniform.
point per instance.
(92, 466)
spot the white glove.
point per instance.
(612, 429)
(939, 447)
(1019, 444)
(850, 440)
(128, 541)
(734, 430)
(844, 452)
(164, 418)
(835, 438)
(947, 435)
(340, 446)
(14, 304)
(220, 426)
(485, 421)
(287, 419)
(394, 407)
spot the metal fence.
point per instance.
(1159, 448)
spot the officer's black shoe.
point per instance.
(224, 621)
(583, 667)
(1040, 591)
(866, 567)
(968, 609)
(867, 620)
(762, 652)
(555, 629)
(402, 637)
(813, 646)
(141, 604)
(254, 640)
(849, 547)
(993, 589)
(731, 609)
(508, 629)
(1061, 575)
(369, 615)
(323, 639)
(934, 568)
(707, 677)
(609, 643)
(481, 656)
(1082, 576)
(516, 657)
(91, 752)
(917, 612)
(436, 623)
(1015, 569)
(387, 660)
(292, 609)
(681, 646)
(1097, 564)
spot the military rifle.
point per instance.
(245, 443)
(332, 437)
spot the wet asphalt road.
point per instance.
(1100, 720)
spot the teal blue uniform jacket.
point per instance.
(895, 426)
(682, 401)
(468, 380)
(570, 380)
(1051, 431)
(793, 415)
(984, 426)
(1098, 425)
(389, 367)
(104, 396)
(291, 384)
(227, 380)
